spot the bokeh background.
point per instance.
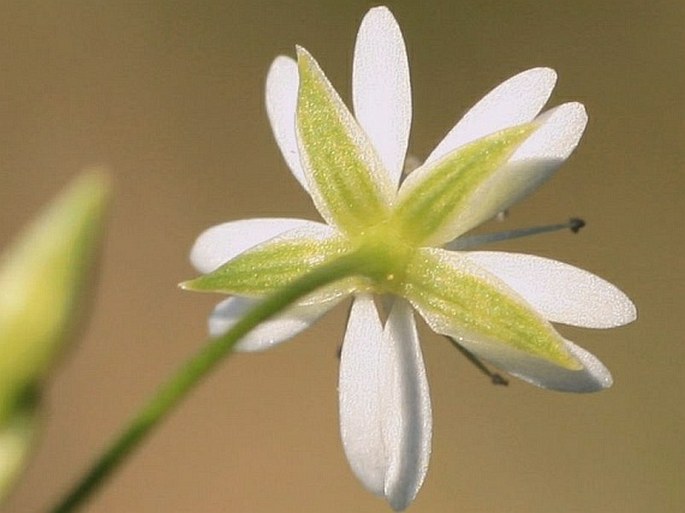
(168, 95)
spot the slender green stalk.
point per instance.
(171, 393)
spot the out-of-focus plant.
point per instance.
(45, 276)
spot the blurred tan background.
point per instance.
(169, 96)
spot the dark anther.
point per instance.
(498, 379)
(575, 224)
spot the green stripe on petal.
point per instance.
(459, 299)
(432, 198)
(269, 266)
(348, 183)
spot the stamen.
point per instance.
(495, 378)
(471, 241)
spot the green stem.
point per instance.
(171, 393)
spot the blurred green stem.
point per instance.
(171, 393)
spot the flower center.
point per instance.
(386, 255)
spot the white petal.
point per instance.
(219, 244)
(558, 291)
(538, 157)
(557, 137)
(593, 377)
(530, 165)
(282, 82)
(361, 386)
(408, 417)
(270, 332)
(381, 88)
(385, 413)
(515, 101)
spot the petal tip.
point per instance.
(632, 313)
(378, 14)
(571, 114)
(379, 9)
(594, 377)
(601, 383)
(547, 77)
(279, 67)
(607, 381)
(281, 60)
(620, 309)
(580, 112)
(398, 505)
(576, 115)
(628, 311)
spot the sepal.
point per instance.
(459, 299)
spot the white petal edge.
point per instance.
(385, 413)
(381, 89)
(408, 415)
(559, 292)
(282, 82)
(592, 378)
(219, 244)
(271, 332)
(516, 101)
(529, 167)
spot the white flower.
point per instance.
(497, 305)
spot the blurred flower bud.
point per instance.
(44, 278)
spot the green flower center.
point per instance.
(386, 253)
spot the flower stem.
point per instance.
(174, 390)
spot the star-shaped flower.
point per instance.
(497, 305)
